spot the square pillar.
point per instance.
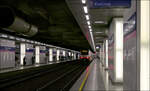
(74, 56)
(106, 54)
(50, 54)
(37, 54)
(58, 53)
(22, 52)
(69, 55)
(143, 44)
(64, 53)
(118, 49)
(103, 54)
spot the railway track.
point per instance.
(62, 82)
(59, 77)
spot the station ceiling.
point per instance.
(100, 18)
(63, 23)
(56, 23)
(105, 15)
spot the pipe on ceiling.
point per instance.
(9, 20)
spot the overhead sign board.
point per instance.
(110, 3)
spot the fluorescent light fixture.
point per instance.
(83, 1)
(91, 34)
(85, 9)
(88, 22)
(89, 27)
(87, 17)
(97, 47)
(90, 30)
(98, 32)
(101, 22)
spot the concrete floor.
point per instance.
(94, 80)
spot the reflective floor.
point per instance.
(96, 79)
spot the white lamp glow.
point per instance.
(89, 27)
(90, 30)
(83, 1)
(99, 21)
(88, 22)
(87, 17)
(85, 9)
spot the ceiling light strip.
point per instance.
(90, 30)
(99, 22)
(85, 9)
(87, 17)
(88, 22)
(89, 27)
(83, 1)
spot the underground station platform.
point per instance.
(75, 45)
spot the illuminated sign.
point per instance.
(110, 3)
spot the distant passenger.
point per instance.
(24, 61)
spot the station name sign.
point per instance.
(110, 3)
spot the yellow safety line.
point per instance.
(84, 80)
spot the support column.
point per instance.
(118, 49)
(74, 56)
(78, 56)
(58, 53)
(143, 44)
(106, 54)
(22, 52)
(103, 58)
(64, 53)
(69, 56)
(37, 54)
(103, 54)
(106, 74)
(50, 54)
